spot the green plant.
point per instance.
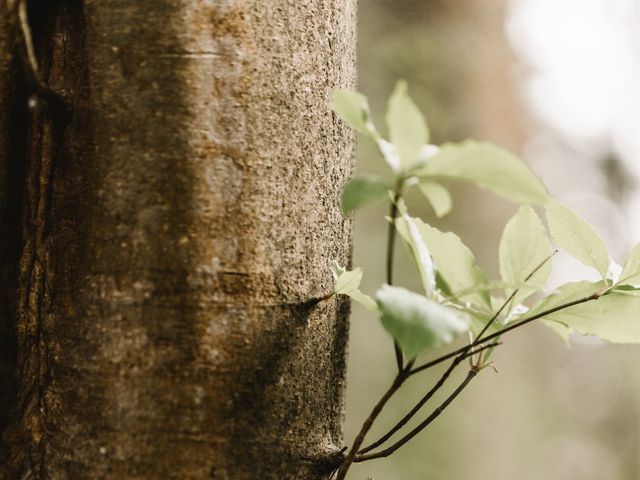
(458, 296)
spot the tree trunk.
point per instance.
(178, 218)
(12, 124)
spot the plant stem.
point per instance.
(357, 455)
(513, 295)
(391, 237)
(403, 372)
(391, 242)
(464, 350)
(357, 443)
(388, 451)
(497, 334)
(425, 399)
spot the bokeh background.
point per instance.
(558, 82)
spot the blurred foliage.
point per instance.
(553, 412)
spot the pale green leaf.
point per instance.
(453, 261)
(497, 302)
(565, 294)
(363, 189)
(568, 292)
(478, 322)
(562, 330)
(416, 322)
(438, 196)
(631, 271)
(613, 317)
(408, 130)
(524, 247)
(365, 300)
(443, 286)
(346, 280)
(577, 237)
(627, 290)
(420, 252)
(486, 166)
(348, 283)
(489, 287)
(353, 108)
(389, 153)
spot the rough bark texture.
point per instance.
(11, 175)
(175, 228)
(6, 362)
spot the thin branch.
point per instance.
(481, 348)
(426, 398)
(550, 311)
(439, 360)
(391, 242)
(356, 455)
(487, 325)
(436, 413)
(403, 371)
(391, 238)
(508, 328)
(366, 426)
(497, 314)
(513, 295)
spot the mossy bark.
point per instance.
(176, 222)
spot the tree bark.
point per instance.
(178, 218)
(12, 125)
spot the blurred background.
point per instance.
(558, 82)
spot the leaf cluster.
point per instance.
(458, 296)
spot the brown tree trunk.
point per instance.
(178, 217)
(12, 126)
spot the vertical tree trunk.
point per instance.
(178, 219)
(11, 177)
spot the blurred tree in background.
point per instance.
(552, 412)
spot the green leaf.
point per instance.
(565, 294)
(478, 322)
(365, 300)
(420, 252)
(438, 196)
(486, 166)
(489, 287)
(353, 108)
(408, 130)
(631, 271)
(346, 280)
(613, 317)
(388, 153)
(347, 283)
(562, 330)
(363, 189)
(416, 322)
(627, 290)
(524, 246)
(577, 237)
(442, 285)
(453, 260)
